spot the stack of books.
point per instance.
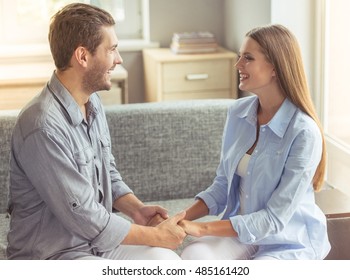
(193, 42)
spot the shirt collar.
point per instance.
(250, 112)
(280, 121)
(68, 103)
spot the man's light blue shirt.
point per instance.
(280, 216)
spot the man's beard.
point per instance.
(95, 80)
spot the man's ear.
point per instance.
(81, 56)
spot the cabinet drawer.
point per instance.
(183, 95)
(197, 75)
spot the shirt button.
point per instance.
(263, 129)
(248, 173)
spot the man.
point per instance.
(64, 183)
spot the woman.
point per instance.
(272, 161)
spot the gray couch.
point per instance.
(166, 152)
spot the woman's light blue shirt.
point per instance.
(280, 211)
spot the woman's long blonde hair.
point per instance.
(282, 50)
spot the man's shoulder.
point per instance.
(40, 113)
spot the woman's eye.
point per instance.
(245, 58)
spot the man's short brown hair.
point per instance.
(76, 25)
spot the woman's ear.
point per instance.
(81, 56)
(273, 73)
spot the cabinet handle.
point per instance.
(194, 77)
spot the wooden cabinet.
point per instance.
(170, 76)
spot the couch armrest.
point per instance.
(336, 206)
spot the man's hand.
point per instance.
(168, 234)
(156, 220)
(140, 213)
(150, 215)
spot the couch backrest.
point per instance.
(163, 150)
(7, 122)
(168, 150)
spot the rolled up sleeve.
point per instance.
(114, 233)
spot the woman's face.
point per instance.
(256, 74)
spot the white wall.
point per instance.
(241, 16)
(301, 17)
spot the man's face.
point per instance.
(98, 74)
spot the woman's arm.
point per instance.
(197, 210)
(215, 228)
(221, 228)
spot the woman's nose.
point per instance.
(238, 63)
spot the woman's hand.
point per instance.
(193, 228)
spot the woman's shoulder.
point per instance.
(304, 121)
(243, 104)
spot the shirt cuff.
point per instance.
(113, 234)
(244, 235)
(120, 189)
(209, 201)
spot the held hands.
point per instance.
(150, 215)
(171, 235)
(192, 228)
(156, 220)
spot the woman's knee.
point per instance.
(200, 249)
